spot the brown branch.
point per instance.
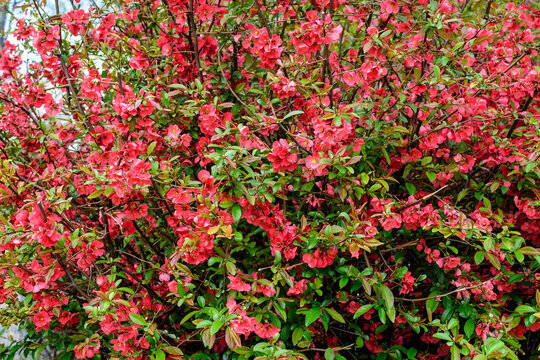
(524, 108)
(147, 287)
(421, 199)
(263, 18)
(147, 241)
(193, 30)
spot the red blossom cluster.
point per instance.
(272, 180)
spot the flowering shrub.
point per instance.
(272, 180)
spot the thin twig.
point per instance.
(448, 293)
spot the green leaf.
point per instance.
(479, 257)
(391, 314)
(462, 194)
(364, 178)
(329, 354)
(216, 326)
(239, 87)
(293, 113)
(458, 45)
(442, 336)
(417, 74)
(411, 353)
(524, 309)
(453, 323)
(362, 310)
(236, 212)
(137, 319)
(455, 353)
(431, 306)
(385, 34)
(335, 315)
(431, 176)
(242, 350)
(386, 156)
(95, 194)
(159, 355)
(226, 204)
(515, 278)
(469, 327)
(188, 316)
(410, 188)
(313, 315)
(437, 72)
(297, 335)
(173, 350)
(388, 297)
(426, 160)
(151, 148)
(282, 313)
(494, 261)
(492, 345)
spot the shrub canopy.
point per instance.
(207, 179)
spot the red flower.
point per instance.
(87, 349)
(320, 260)
(179, 196)
(42, 320)
(407, 283)
(267, 49)
(281, 156)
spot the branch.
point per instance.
(75, 97)
(525, 107)
(448, 293)
(263, 18)
(193, 30)
(421, 199)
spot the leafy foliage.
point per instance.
(272, 180)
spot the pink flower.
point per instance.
(264, 289)
(452, 262)
(313, 163)
(298, 288)
(46, 41)
(266, 331)
(76, 21)
(173, 132)
(484, 224)
(238, 284)
(391, 222)
(244, 325)
(139, 62)
(179, 196)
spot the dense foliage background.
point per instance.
(338, 179)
